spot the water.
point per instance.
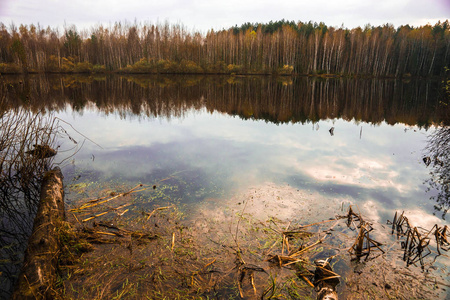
(383, 164)
(341, 141)
(222, 136)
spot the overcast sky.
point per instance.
(202, 15)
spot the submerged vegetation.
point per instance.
(236, 252)
(282, 47)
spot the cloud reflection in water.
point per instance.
(382, 167)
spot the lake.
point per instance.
(360, 141)
(197, 139)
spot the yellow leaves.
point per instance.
(232, 68)
(67, 64)
(286, 69)
(250, 35)
(7, 68)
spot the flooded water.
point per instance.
(338, 141)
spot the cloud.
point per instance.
(204, 15)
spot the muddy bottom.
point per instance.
(260, 244)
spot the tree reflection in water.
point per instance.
(278, 100)
(438, 159)
(20, 180)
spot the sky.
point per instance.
(203, 15)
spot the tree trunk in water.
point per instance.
(38, 275)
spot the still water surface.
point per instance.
(223, 138)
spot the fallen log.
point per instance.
(38, 274)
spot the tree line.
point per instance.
(282, 47)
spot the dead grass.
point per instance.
(159, 254)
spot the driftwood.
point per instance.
(38, 274)
(42, 151)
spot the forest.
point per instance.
(281, 47)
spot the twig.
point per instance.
(122, 213)
(307, 280)
(79, 132)
(84, 206)
(307, 248)
(76, 218)
(237, 225)
(156, 209)
(97, 215)
(173, 241)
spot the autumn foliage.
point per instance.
(282, 47)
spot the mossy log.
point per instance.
(38, 274)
